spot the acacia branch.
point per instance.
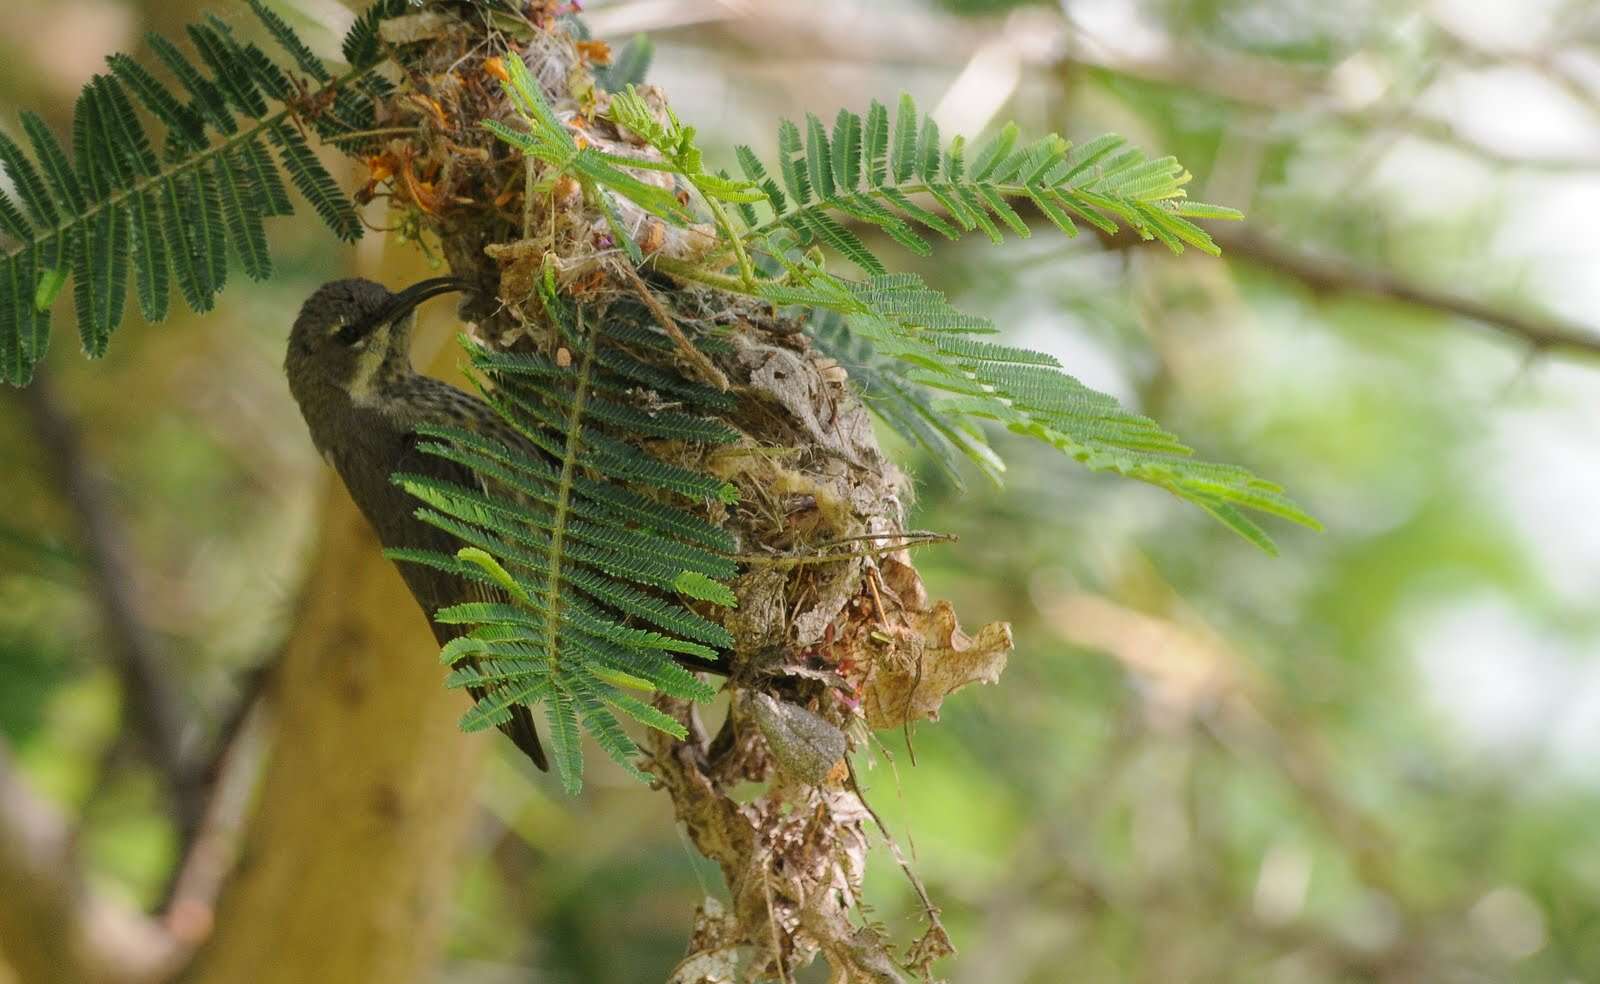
(190, 912)
(55, 930)
(1252, 82)
(352, 844)
(155, 705)
(1326, 274)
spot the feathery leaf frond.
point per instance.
(629, 66)
(174, 215)
(869, 174)
(597, 542)
(938, 375)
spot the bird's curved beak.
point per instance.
(407, 300)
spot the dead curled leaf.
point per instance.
(930, 658)
(714, 952)
(927, 656)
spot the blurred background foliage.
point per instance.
(1372, 758)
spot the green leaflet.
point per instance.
(50, 284)
(694, 584)
(115, 203)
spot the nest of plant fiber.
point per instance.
(835, 636)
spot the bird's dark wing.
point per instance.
(435, 589)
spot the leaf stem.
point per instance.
(708, 372)
(558, 527)
(699, 274)
(909, 540)
(386, 131)
(747, 272)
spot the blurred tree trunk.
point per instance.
(349, 861)
(346, 871)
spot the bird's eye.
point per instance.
(349, 334)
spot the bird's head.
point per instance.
(354, 334)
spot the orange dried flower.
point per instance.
(379, 169)
(566, 189)
(838, 773)
(494, 66)
(421, 192)
(655, 237)
(596, 52)
(431, 106)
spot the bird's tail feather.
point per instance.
(521, 731)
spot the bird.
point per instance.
(349, 370)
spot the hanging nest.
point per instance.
(835, 635)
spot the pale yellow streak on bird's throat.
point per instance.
(369, 367)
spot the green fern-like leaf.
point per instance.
(905, 407)
(173, 215)
(597, 544)
(925, 368)
(547, 139)
(867, 173)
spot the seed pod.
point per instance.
(805, 746)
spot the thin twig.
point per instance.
(931, 911)
(919, 536)
(386, 131)
(792, 561)
(772, 924)
(218, 776)
(190, 913)
(709, 373)
(1331, 275)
